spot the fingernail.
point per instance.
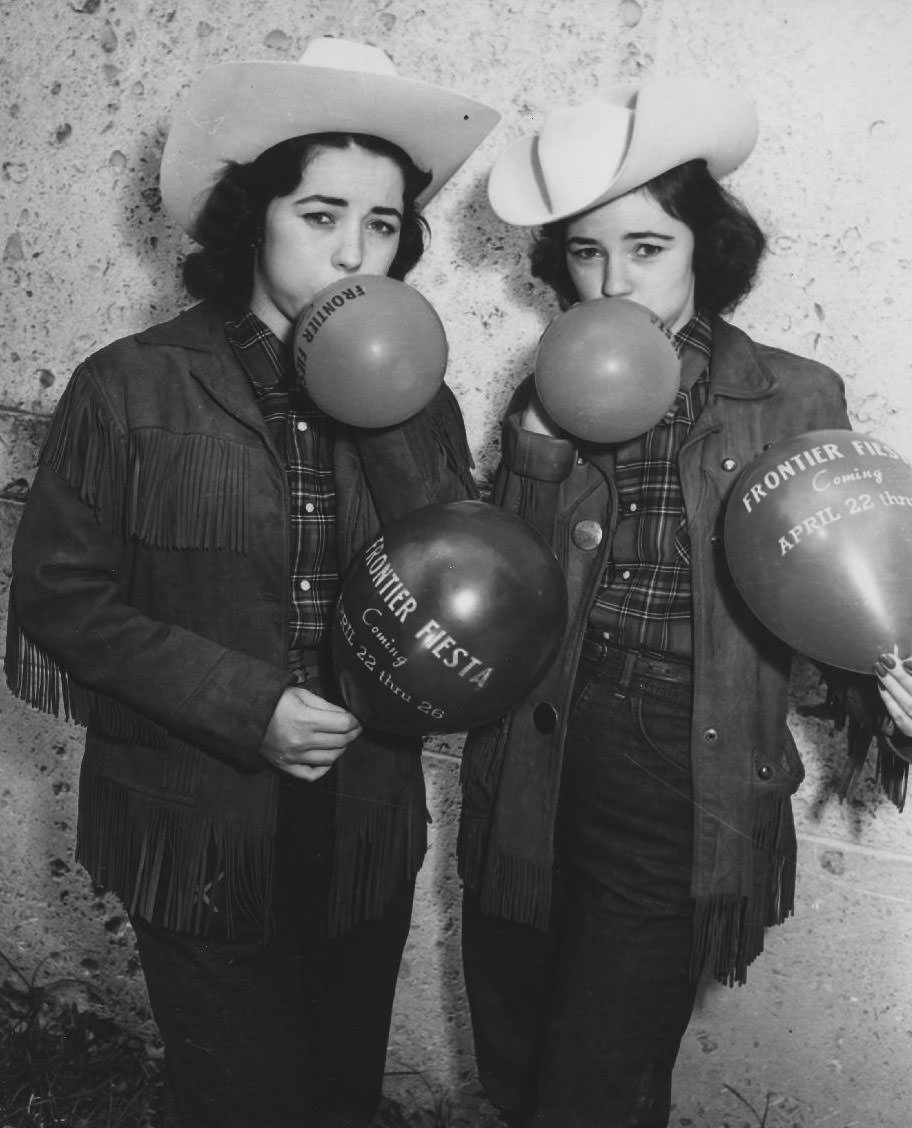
(889, 660)
(880, 669)
(907, 665)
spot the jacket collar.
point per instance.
(736, 369)
(201, 330)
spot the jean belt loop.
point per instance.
(627, 671)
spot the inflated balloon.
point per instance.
(370, 351)
(818, 538)
(447, 619)
(607, 370)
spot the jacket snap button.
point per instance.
(587, 534)
(711, 736)
(729, 464)
(765, 771)
(545, 718)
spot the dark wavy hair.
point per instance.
(230, 224)
(728, 242)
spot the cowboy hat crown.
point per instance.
(588, 154)
(235, 111)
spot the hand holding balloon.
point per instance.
(370, 351)
(306, 734)
(894, 679)
(607, 370)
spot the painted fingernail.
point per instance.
(880, 669)
(889, 660)
(907, 665)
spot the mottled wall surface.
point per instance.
(823, 1033)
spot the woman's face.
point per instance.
(343, 218)
(632, 248)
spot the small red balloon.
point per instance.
(447, 619)
(818, 537)
(370, 351)
(607, 370)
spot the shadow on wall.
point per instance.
(159, 245)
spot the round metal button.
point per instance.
(587, 534)
(711, 735)
(765, 771)
(729, 464)
(545, 718)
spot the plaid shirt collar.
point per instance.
(267, 362)
(696, 334)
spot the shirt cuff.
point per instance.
(533, 455)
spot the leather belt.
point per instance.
(635, 664)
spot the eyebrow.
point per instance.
(627, 235)
(339, 202)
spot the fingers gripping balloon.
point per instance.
(446, 620)
(607, 370)
(370, 351)
(818, 538)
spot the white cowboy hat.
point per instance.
(589, 154)
(235, 111)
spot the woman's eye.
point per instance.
(584, 254)
(648, 250)
(383, 227)
(318, 219)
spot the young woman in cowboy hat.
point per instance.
(629, 827)
(175, 572)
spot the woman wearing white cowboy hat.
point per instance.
(629, 827)
(176, 570)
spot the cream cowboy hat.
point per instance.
(235, 111)
(589, 154)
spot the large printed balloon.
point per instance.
(607, 370)
(447, 619)
(370, 351)
(818, 537)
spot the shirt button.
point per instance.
(711, 736)
(765, 771)
(729, 464)
(632, 507)
(625, 575)
(309, 507)
(304, 585)
(580, 461)
(301, 425)
(587, 534)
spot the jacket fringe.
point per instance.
(856, 706)
(728, 930)
(129, 843)
(167, 490)
(375, 850)
(449, 434)
(37, 679)
(519, 890)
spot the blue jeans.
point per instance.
(581, 1026)
(291, 1033)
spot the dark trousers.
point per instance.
(580, 1026)
(286, 1034)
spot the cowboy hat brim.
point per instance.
(673, 121)
(235, 111)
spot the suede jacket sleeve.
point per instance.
(108, 620)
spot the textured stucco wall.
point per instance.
(823, 1033)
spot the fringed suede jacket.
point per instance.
(745, 763)
(149, 603)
